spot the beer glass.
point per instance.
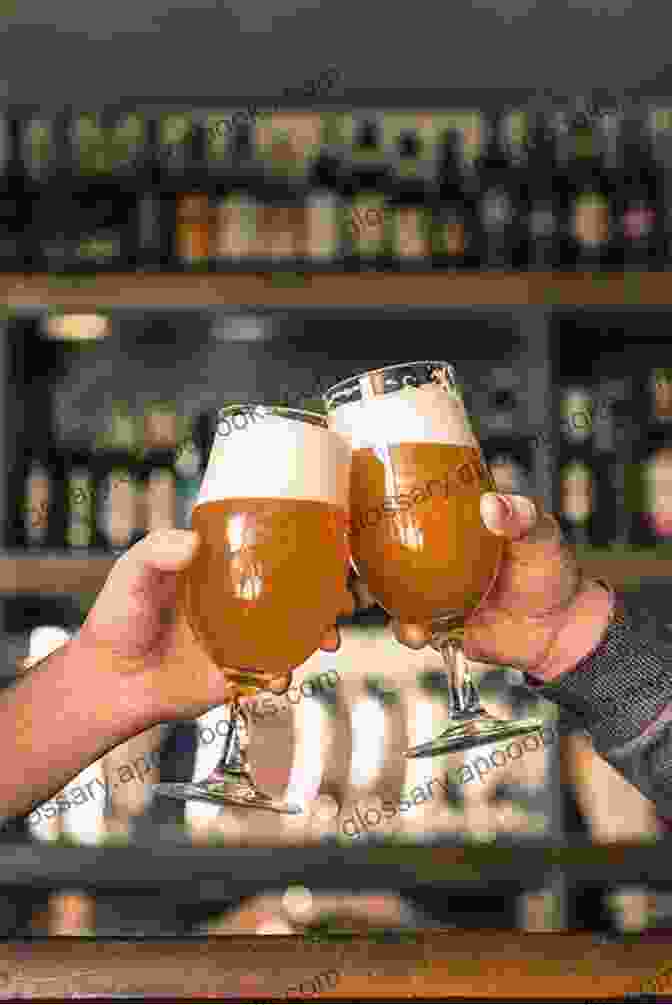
(416, 533)
(269, 577)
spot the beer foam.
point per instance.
(426, 414)
(276, 458)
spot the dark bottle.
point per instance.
(153, 241)
(612, 446)
(236, 176)
(187, 192)
(543, 209)
(18, 195)
(660, 135)
(454, 216)
(118, 475)
(590, 204)
(326, 233)
(79, 485)
(37, 521)
(367, 187)
(40, 158)
(510, 461)
(641, 209)
(500, 205)
(409, 206)
(105, 153)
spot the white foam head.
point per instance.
(425, 414)
(275, 457)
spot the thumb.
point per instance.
(146, 568)
(508, 516)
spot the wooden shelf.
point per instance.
(369, 289)
(57, 573)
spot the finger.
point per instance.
(331, 640)
(147, 566)
(411, 635)
(507, 515)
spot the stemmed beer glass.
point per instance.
(416, 533)
(269, 577)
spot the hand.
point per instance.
(540, 616)
(135, 621)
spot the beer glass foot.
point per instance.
(225, 793)
(464, 733)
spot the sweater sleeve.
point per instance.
(622, 692)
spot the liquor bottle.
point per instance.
(454, 217)
(118, 473)
(590, 204)
(327, 236)
(159, 476)
(153, 236)
(500, 205)
(80, 497)
(184, 145)
(236, 191)
(612, 445)
(288, 142)
(542, 195)
(641, 228)
(17, 196)
(368, 182)
(104, 158)
(409, 206)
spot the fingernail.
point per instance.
(495, 508)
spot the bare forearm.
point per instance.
(58, 719)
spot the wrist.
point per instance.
(584, 629)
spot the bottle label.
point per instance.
(577, 415)
(577, 493)
(591, 221)
(174, 132)
(496, 209)
(79, 531)
(161, 500)
(126, 140)
(323, 227)
(369, 235)
(38, 498)
(118, 508)
(638, 222)
(99, 249)
(661, 387)
(510, 476)
(236, 227)
(192, 228)
(37, 147)
(411, 233)
(542, 222)
(91, 146)
(452, 238)
(281, 232)
(658, 481)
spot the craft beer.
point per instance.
(270, 574)
(416, 533)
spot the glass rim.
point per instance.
(284, 411)
(343, 385)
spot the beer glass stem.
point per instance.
(464, 700)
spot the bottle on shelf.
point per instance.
(577, 488)
(510, 461)
(659, 130)
(153, 251)
(641, 210)
(105, 150)
(500, 204)
(118, 474)
(543, 210)
(186, 192)
(37, 522)
(612, 445)
(39, 156)
(18, 195)
(236, 176)
(80, 497)
(409, 205)
(326, 235)
(454, 217)
(368, 181)
(288, 142)
(590, 204)
(189, 467)
(159, 475)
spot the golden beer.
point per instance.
(269, 577)
(267, 581)
(422, 549)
